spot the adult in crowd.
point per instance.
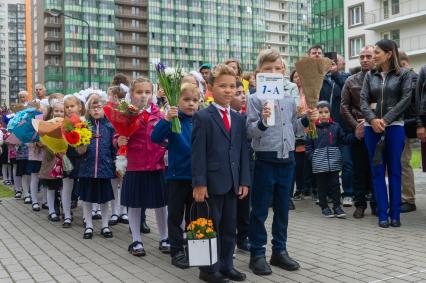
(385, 95)
(331, 92)
(408, 187)
(40, 92)
(304, 178)
(236, 66)
(341, 66)
(421, 102)
(23, 97)
(353, 118)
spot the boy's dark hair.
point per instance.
(239, 84)
(323, 104)
(315, 47)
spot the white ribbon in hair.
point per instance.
(54, 101)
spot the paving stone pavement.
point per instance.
(329, 250)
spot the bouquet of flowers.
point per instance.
(201, 228)
(50, 133)
(311, 72)
(124, 117)
(77, 132)
(21, 125)
(170, 81)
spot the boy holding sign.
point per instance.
(273, 143)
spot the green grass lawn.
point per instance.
(416, 158)
(6, 192)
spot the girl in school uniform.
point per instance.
(97, 167)
(144, 183)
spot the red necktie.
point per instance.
(145, 115)
(226, 120)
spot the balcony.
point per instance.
(128, 15)
(130, 67)
(52, 22)
(52, 36)
(129, 40)
(134, 3)
(405, 12)
(130, 54)
(52, 50)
(413, 45)
(129, 27)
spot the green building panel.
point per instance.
(328, 25)
(206, 31)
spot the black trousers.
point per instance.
(362, 181)
(328, 185)
(243, 218)
(180, 200)
(223, 212)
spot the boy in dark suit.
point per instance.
(220, 169)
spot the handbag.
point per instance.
(410, 128)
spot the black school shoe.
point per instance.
(284, 261)
(180, 260)
(215, 277)
(259, 266)
(408, 207)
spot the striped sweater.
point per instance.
(324, 151)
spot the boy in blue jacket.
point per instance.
(179, 170)
(325, 154)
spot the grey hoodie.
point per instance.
(279, 138)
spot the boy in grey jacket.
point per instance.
(274, 167)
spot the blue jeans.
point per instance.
(347, 171)
(272, 182)
(395, 140)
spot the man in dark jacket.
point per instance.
(331, 92)
(408, 188)
(354, 119)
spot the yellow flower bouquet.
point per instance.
(201, 228)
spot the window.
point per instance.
(355, 45)
(385, 9)
(356, 15)
(136, 62)
(393, 35)
(395, 7)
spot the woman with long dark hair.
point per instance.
(385, 95)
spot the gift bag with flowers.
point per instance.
(202, 241)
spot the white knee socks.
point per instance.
(44, 192)
(17, 179)
(115, 203)
(104, 213)
(34, 187)
(26, 180)
(161, 217)
(51, 200)
(135, 224)
(6, 172)
(87, 210)
(68, 184)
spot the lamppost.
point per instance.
(57, 13)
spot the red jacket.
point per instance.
(143, 154)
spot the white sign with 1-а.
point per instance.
(270, 87)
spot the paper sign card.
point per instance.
(270, 86)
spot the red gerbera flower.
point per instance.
(72, 137)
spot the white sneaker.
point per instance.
(347, 201)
